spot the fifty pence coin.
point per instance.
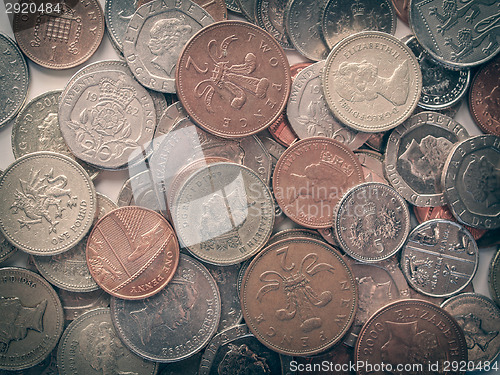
(90, 345)
(479, 317)
(175, 323)
(59, 35)
(298, 296)
(14, 78)
(132, 252)
(416, 153)
(494, 278)
(440, 258)
(371, 222)
(32, 318)
(270, 16)
(155, 36)
(471, 181)
(233, 79)
(372, 81)
(49, 203)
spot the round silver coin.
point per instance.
(175, 323)
(309, 114)
(371, 222)
(232, 5)
(416, 153)
(440, 258)
(172, 115)
(138, 190)
(479, 318)
(117, 14)
(471, 181)
(270, 16)
(248, 9)
(49, 203)
(154, 39)
(6, 248)
(14, 79)
(90, 345)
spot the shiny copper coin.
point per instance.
(132, 252)
(310, 178)
(402, 8)
(59, 35)
(484, 97)
(411, 333)
(298, 296)
(233, 79)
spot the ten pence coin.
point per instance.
(233, 79)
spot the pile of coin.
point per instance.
(333, 206)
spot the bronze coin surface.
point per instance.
(310, 178)
(233, 79)
(132, 252)
(298, 296)
(411, 332)
(62, 38)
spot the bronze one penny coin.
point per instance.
(233, 79)
(59, 35)
(298, 296)
(310, 178)
(132, 252)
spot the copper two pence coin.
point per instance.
(132, 252)
(412, 333)
(298, 296)
(59, 35)
(310, 178)
(233, 79)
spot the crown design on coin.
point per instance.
(328, 159)
(65, 11)
(370, 208)
(116, 91)
(358, 9)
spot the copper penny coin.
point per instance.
(414, 333)
(233, 79)
(298, 296)
(59, 35)
(310, 178)
(402, 8)
(484, 97)
(132, 252)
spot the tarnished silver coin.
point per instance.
(6, 248)
(371, 222)
(471, 181)
(32, 319)
(441, 87)
(107, 118)
(138, 190)
(416, 153)
(342, 18)
(270, 16)
(460, 34)
(14, 79)
(232, 5)
(172, 115)
(223, 214)
(372, 81)
(248, 9)
(309, 114)
(117, 14)
(440, 258)
(48, 204)
(175, 323)
(77, 303)
(479, 318)
(90, 345)
(188, 366)
(37, 129)
(155, 36)
(303, 26)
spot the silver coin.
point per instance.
(460, 34)
(248, 8)
(373, 165)
(372, 81)
(171, 116)
(49, 203)
(479, 318)
(270, 16)
(371, 222)
(303, 26)
(232, 5)
(117, 14)
(309, 114)
(440, 258)
(188, 366)
(224, 213)
(416, 153)
(107, 118)
(155, 36)
(273, 148)
(160, 103)
(37, 129)
(471, 180)
(6, 249)
(342, 18)
(76, 303)
(175, 323)
(90, 345)
(441, 87)
(138, 190)
(14, 79)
